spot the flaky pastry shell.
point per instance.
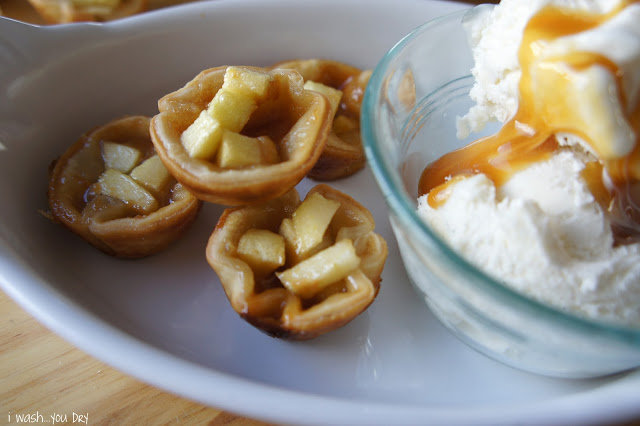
(297, 120)
(107, 223)
(266, 303)
(344, 154)
(65, 11)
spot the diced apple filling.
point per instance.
(262, 249)
(247, 82)
(343, 124)
(292, 242)
(311, 220)
(102, 208)
(320, 270)
(237, 150)
(334, 95)
(229, 111)
(268, 150)
(121, 186)
(120, 157)
(314, 259)
(152, 174)
(139, 185)
(202, 138)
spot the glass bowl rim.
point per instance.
(404, 209)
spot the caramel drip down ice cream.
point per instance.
(550, 204)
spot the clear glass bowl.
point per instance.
(408, 120)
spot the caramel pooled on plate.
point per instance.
(298, 270)
(344, 154)
(111, 188)
(229, 107)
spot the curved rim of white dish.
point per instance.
(405, 210)
(249, 398)
(225, 391)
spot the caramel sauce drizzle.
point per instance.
(546, 108)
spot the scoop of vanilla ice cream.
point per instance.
(495, 35)
(544, 234)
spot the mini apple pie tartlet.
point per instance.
(295, 269)
(112, 189)
(344, 86)
(241, 135)
(66, 11)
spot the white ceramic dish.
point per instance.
(165, 319)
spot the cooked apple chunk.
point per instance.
(237, 151)
(293, 244)
(334, 95)
(262, 249)
(202, 138)
(247, 82)
(288, 233)
(119, 156)
(301, 297)
(268, 150)
(323, 268)
(125, 214)
(343, 124)
(119, 185)
(311, 220)
(152, 174)
(230, 109)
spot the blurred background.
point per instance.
(47, 12)
(40, 11)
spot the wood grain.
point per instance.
(41, 374)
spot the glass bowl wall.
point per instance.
(408, 120)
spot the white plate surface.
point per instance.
(165, 319)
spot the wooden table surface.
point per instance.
(43, 375)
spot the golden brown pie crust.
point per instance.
(344, 154)
(297, 120)
(110, 226)
(269, 306)
(64, 11)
